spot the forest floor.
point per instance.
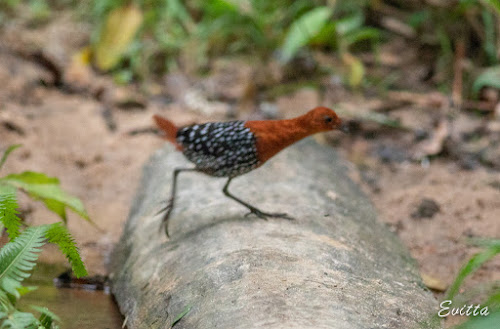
(435, 181)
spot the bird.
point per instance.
(233, 148)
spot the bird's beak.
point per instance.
(344, 127)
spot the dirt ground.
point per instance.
(95, 136)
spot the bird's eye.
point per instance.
(328, 119)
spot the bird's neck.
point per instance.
(293, 130)
(275, 135)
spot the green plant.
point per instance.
(488, 78)
(304, 29)
(491, 248)
(189, 33)
(18, 257)
(180, 316)
(38, 11)
(445, 25)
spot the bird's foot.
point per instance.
(265, 215)
(167, 209)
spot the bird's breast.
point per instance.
(272, 137)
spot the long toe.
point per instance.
(164, 225)
(257, 213)
(265, 215)
(169, 205)
(166, 229)
(164, 222)
(164, 208)
(282, 215)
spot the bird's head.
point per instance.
(325, 119)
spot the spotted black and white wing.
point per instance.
(223, 149)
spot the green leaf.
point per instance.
(479, 322)
(217, 8)
(494, 300)
(23, 290)
(419, 18)
(59, 235)
(56, 207)
(484, 242)
(31, 177)
(18, 258)
(303, 30)
(7, 152)
(494, 4)
(46, 317)
(489, 78)
(356, 69)
(6, 189)
(20, 320)
(482, 322)
(489, 43)
(117, 34)
(349, 24)
(181, 315)
(123, 77)
(367, 33)
(326, 36)
(47, 189)
(5, 303)
(8, 214)
(177, 9)
(472, 265)
(3, 315)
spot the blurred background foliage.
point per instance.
(136, 40)
(196, 31)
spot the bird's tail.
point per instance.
(168, 128)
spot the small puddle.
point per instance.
(77, 308)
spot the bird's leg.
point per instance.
(259, 213)
(170, 203)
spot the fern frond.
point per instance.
(18, 257)
(6, 305)
(8, 213)
(3, 315)
(47, 318)
(59, 234)
(19, 320)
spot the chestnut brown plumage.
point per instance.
(230, 149)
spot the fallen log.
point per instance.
(334, 266)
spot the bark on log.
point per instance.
(334, 266)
